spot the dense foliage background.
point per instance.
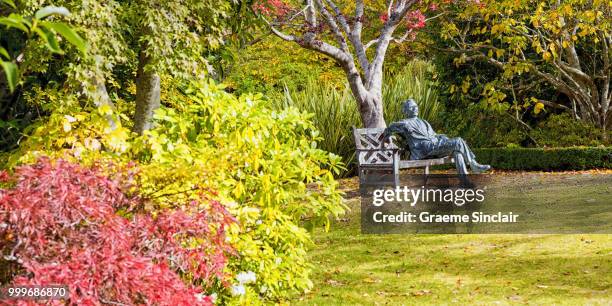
(487, 105)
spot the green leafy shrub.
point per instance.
(562, 131)
(482, 128)
(335, 111)
(264, 164)
(269, 164)
(572, 158)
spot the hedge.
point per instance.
(546, 159)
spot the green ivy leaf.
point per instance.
(9, 3)
(68, 33)
(50, 40)
(4, 53)
(14, 21)
(10, 69)
(51, 10)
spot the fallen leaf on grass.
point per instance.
(515, 297)
(370, 280)
(334, 283)
(421, 292)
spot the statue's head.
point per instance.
(410, 108)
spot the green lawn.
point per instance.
(405, 269)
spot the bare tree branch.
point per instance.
(331, 22)
(278, 33)
(353, 36)
(553, 104)
(310, 13)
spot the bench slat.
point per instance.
(376, 166)
(404, 164)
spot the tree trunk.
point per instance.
(605, 128)
(101, 97)
(369, 102)
(5, 97)
(147, 95)
(371, 111)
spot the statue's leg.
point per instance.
(462, 171)
(462, 147)
(452, 147)
(460, 163)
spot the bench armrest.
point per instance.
(376, 150)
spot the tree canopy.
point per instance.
(337, 30)
(564, 44)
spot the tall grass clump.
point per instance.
(412, 81)
(335, 110)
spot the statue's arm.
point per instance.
(439, 136)
(430, 130)
(394, 128)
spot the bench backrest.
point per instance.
(369, 142)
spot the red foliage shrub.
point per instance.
(415, 19)
(60, 226)
(384, 17)
(276, 8)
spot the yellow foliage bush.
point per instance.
(264, 165)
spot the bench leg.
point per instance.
(361, 173)
(396, 169)
(396, 180)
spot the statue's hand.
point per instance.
(441, 136)
(386, 141)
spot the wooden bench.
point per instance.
(375, 156)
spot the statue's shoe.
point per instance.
(478, 168)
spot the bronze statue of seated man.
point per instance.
(424, 143)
